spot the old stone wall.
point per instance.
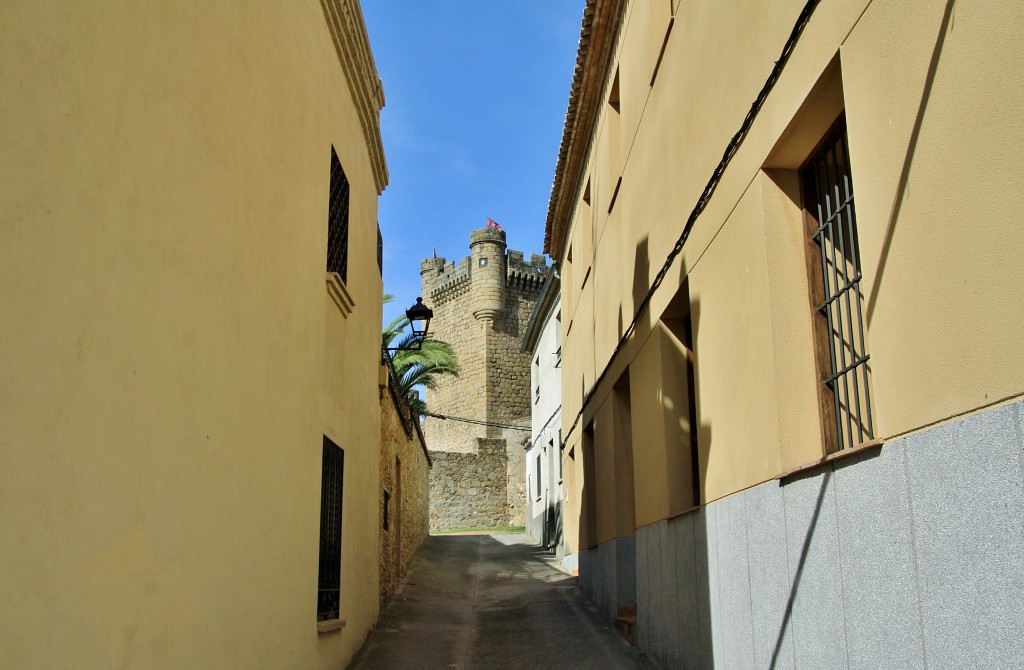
(509, 379)
(515, 493)
(453, 323)
(405, 481)
(481, 307)
(468, 490)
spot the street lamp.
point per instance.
(419, 316)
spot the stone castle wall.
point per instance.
(467, 489)
(481, 307)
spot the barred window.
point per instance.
(835, 275)
(328, 604)
(380, 251)
(337, 220)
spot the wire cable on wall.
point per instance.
(702, 201)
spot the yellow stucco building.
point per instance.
(791, 312)
(190, 309)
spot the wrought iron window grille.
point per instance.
(328, 602)
(380, 251)
(838, 301)
(337, 220)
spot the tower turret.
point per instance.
(430, 270)
(488, 269)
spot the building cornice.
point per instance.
(348, 31)
(598, 36)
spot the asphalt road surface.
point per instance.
(491, 602)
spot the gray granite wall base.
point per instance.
(909, 556)
(608, 574)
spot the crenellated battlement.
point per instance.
(456, 286)
(525, 280)
(523, 273)
(538, 263)
(444, 280)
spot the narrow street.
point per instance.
(491, 602)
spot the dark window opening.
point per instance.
(337, 220)
(328, 603)
(380, 252)
(835, 276)
(537, 478)
(558, 455)
(588, 507)
(387, 508)
(678, 320)
(613, 95)
(691, 410)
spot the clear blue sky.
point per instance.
(475, 92)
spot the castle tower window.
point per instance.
(483, 262)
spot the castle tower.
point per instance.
(488, 258)
(481, 307)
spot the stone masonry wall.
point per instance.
(408, 523)
(481, 307)
(467, 490)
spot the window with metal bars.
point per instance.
(337, 220)
(380, 251)
(835, 276)
(328, 601)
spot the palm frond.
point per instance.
(394, 329)
(425, 366)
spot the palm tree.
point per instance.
(423, 367)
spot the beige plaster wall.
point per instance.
(952, 347)
(613, 466)
(171, 359)
(662, 472)
(571, 490)
(934, 139)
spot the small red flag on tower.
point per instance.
(491, 223)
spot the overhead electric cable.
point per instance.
(489, 424)
(705, 197)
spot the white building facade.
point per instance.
(544, 458)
